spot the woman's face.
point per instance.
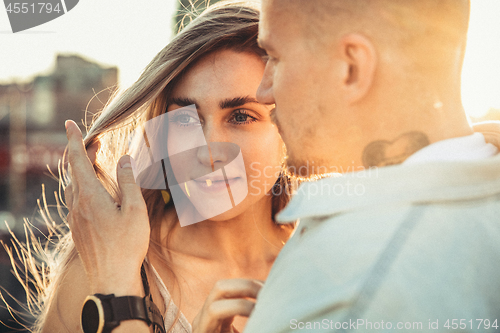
(225, 153)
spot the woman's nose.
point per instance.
(211, 155)
(204, 156)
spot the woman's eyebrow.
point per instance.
(181, 101)
(236, 101)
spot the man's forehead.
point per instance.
(274, 19)
(265, 23)
(277, 6)
(266, 12)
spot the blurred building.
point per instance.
(32, 134)
(33, 139)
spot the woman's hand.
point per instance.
(226, 300)
(112, 238)
(490, 130)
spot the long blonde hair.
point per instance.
(225, 25)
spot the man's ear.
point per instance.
(360, 59)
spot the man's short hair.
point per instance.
(428, 30)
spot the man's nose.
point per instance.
(265, 90)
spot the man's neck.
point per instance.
(415, 131)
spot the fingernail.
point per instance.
(66, 126)
(125, 162)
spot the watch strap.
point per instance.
(134, 307)
(118, 309)
(129, 307)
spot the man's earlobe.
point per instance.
(361, 60)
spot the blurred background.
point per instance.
(72, 64)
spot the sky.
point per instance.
(123, 33)
(129, 33)
(481, 73)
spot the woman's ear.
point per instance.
(360, 59)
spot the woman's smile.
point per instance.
(215, 185)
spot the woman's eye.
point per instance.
(184, 120)
(241, 117)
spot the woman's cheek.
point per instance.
(261, 152)
(261, 175)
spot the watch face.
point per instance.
(92, 315)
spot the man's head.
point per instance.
(346, 73)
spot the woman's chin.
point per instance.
(228, 214)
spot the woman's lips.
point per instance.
(211, 186)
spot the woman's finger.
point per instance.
(81, 167)
(220, 313)
(226, 308)
(68, 196)
(486, 126)
(228, 298)
(71, 179)
(489, 129)
(233, 288)
(72, 188)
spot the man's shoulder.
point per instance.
(425, 238)
(409, 258)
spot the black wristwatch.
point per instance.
(102, 313)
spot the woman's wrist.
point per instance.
(119, 284)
